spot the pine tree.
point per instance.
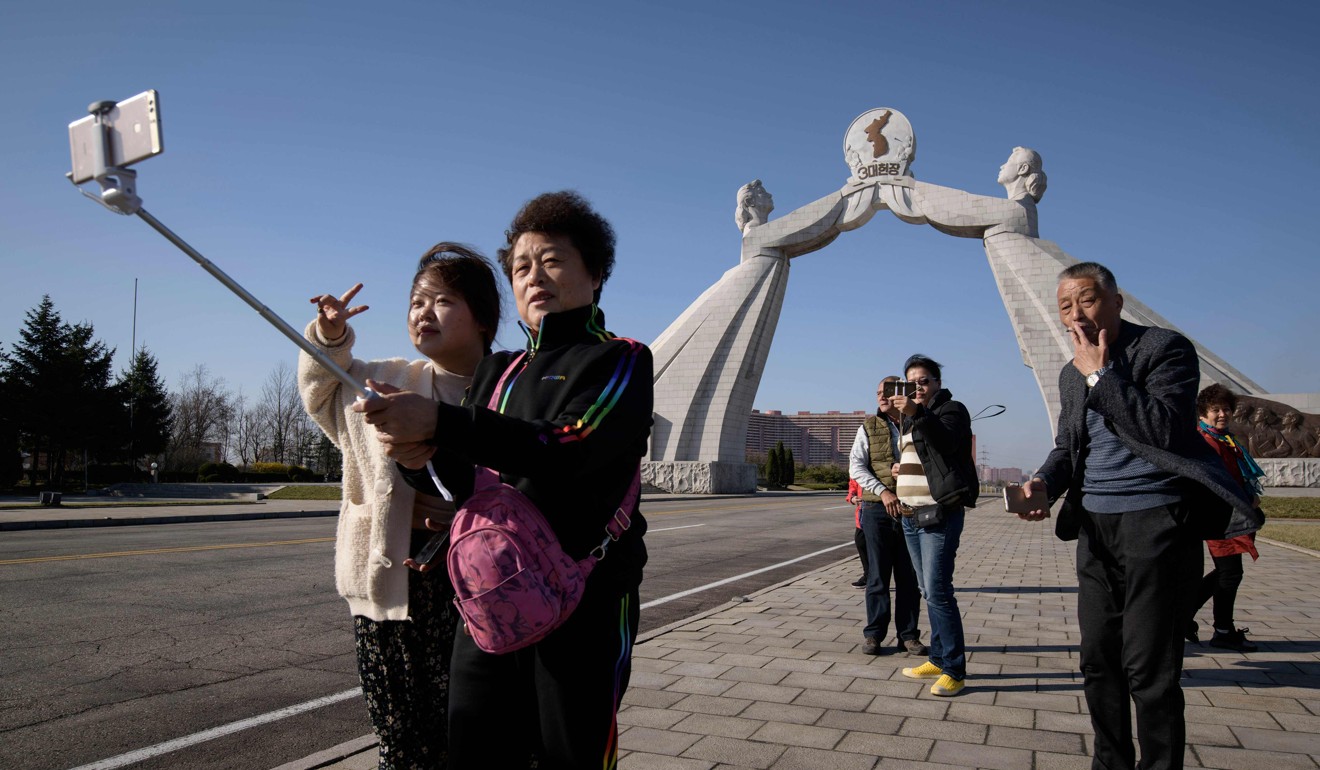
(789, 472)
(58, 381)
(100, 409)
(148, 404)
(11, 456)
(30, 377)
(772, 463)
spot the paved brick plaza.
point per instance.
(779, 681)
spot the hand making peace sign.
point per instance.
(332, 313)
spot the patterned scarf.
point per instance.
(1251, 472)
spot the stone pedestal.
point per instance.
(1290, 472)
(700, 477)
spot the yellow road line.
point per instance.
(148, 552)
(186, 549)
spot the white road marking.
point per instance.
(311, 705)
(216, 732)
(718, 583)
(666, 529)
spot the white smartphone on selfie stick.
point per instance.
(116, 135)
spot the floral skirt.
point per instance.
(404, 665)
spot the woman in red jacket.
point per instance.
(854, 498)
(1215, 404)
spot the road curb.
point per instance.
(109, 521)
(332, 755)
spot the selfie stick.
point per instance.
(119, 194)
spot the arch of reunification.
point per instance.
(708, 363)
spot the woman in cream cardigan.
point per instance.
(403, 620)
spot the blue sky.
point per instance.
(313, 145)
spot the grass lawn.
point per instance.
(307, 493)
(1291, 507)
(1305, 535)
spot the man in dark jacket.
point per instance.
(1141, 492)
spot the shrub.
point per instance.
(299, 473)
(825, 474)
(109, 474)
(11, 468)
(249, 477)
(217, 473)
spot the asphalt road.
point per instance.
(123, 638)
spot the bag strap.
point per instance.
(494, 403)
(489, 477)
(622, 519)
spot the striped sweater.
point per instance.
(913, 488)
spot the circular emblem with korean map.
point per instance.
(879, 144)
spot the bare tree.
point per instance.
(306, 439)
(282, 408)
(203, 410)
(249, 432)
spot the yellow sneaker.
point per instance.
(926, 670)
(947, 686)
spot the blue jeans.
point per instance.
(934, 550)
(888, 554)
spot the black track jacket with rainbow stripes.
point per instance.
(573, 423)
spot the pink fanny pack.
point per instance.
(513, 582)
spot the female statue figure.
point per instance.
(708, 363)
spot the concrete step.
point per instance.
(237, 491)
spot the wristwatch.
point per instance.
(1094, 377)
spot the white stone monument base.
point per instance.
(1291, 472)
(700, 477)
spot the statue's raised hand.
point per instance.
(332, 313)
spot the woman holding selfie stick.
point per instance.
(569, 430)
(403, 621)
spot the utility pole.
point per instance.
(132, 391)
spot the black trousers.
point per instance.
(1221, 583)
(859, 540)
(556, 700)
(1137, 574)
(887, 551)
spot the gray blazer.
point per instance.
(1148, 399)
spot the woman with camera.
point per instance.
(936, 477)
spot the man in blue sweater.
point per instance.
(1141, 492)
